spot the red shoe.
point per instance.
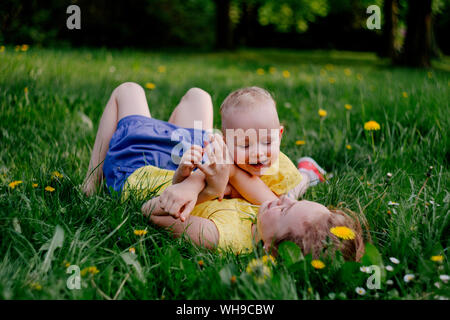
(315, 173)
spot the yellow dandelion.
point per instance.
(347, 72)
(260, 71)
(34, 185)
(49, 189)
(300, 142)
(35, 286)
(233, 279)
(14, 184)
(91, 270)
(439, 258)
(272, 70)
(322, 113)
(348, 147)
(329, 67)
(371, 125)
(25, 90)
(404, 94)
(331, 80)
(150, 85)
(2, 48)
(286, 74)
(359, 77)
(200, 263)
(24, 47)
(348, 106)
(67, 264)
(132, 250)
(343, 232)
(56, 174)
(269, 260)
(161, 69)
(259, 270)
(317, 264)
(16, 48)
(140, 232)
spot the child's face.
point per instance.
(285, 216)
(253, 137)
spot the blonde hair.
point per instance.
(314, 240)
(245, 98)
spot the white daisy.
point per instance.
(364, 269)
(394, 260)
(408, 277)
(437, 285)
(389, 268)
(360, 291)
(434, 203)
(444, 277)
(389, 282)
(392, 203)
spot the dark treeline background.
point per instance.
(208, 24)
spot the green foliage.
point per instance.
(292, 14)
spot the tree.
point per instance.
(390, 13)
(224, 35)
(417, 48)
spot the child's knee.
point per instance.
(197, 94)
(128, 87)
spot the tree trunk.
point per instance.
(245, 32)
(417, 49)
(390, 12)
(224, 36)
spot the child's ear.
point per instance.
(281, 132)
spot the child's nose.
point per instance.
(257, 153)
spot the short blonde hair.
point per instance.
(245, 98)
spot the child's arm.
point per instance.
(201, 231)
(252, 188)
(179, 199)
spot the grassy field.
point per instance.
(50, 105)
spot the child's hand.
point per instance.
(152, 207)
(217, 171)
(178, 200)
(189, 161)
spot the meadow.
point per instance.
(51, 101)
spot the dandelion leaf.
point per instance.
(130, 259)
(51, 246)
(289, 252)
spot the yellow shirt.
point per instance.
(232, 217)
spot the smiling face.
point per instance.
(285, 217)
(253, 135)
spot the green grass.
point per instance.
(43, 131)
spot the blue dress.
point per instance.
(140, 141)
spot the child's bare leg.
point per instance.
(127, 99)
(196, 105)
